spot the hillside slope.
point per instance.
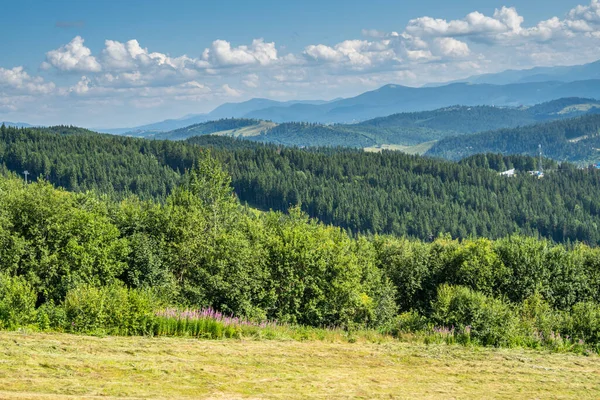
(575, 140)
(389, 192)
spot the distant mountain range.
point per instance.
(387, 100)
(573, 73)
(404, 129)
(16, 124)
(227, 110)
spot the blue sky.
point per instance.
(123, 63)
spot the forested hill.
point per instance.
(575, 140)
(463, 119)
(388, 192)
(81, 160)
(399, 129)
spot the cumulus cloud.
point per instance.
(83, 86)
(73, 56)
(589, 14)
(17, 80)
(130, 55)
(473, 23)
(451, 47)
(222, 54)
(506, 26)
(427, 49)
(354, 53)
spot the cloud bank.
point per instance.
(429, 48)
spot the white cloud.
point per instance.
(451, 47)
(590, 14)
(230, 92)
(427, 49)
(130, 55)
(356, 54)
(222, 54)
(83, 86)
(73, 56)
(17, 80)
(473, 23)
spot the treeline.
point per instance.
(389, 192)
(82, 263)
(501, 163)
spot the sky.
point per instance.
(109, 64)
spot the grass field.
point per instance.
(42, 366)
(419, 149)
(252, 130)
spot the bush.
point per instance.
(17, 302)
(584, 322)
(490, 321)
(409, 322)
(537, 318)
(51, 317)
(110, 310)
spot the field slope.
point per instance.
(37, 366)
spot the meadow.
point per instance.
(64, 366)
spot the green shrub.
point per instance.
(584, 322)
(51, 317)
(17, 302)
(537, 320)
(490, 321)
(112, 310)
(409, 322)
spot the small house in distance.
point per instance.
(539, 174)
(509, 173)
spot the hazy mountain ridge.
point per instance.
(406, 129)
(538, 74)
(227, 110)
(509, 88)
(16, 124)
(392, 99)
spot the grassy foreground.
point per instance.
(36, 366)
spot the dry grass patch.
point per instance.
(67, 366)
(419, 149)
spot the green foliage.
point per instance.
(409, 322)
(17, 302)
(487, 320)
(110, 310)
(58, 240)
(317, 278)
(389, 193)
(97, 265)
(584, 322)
(404, 128)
